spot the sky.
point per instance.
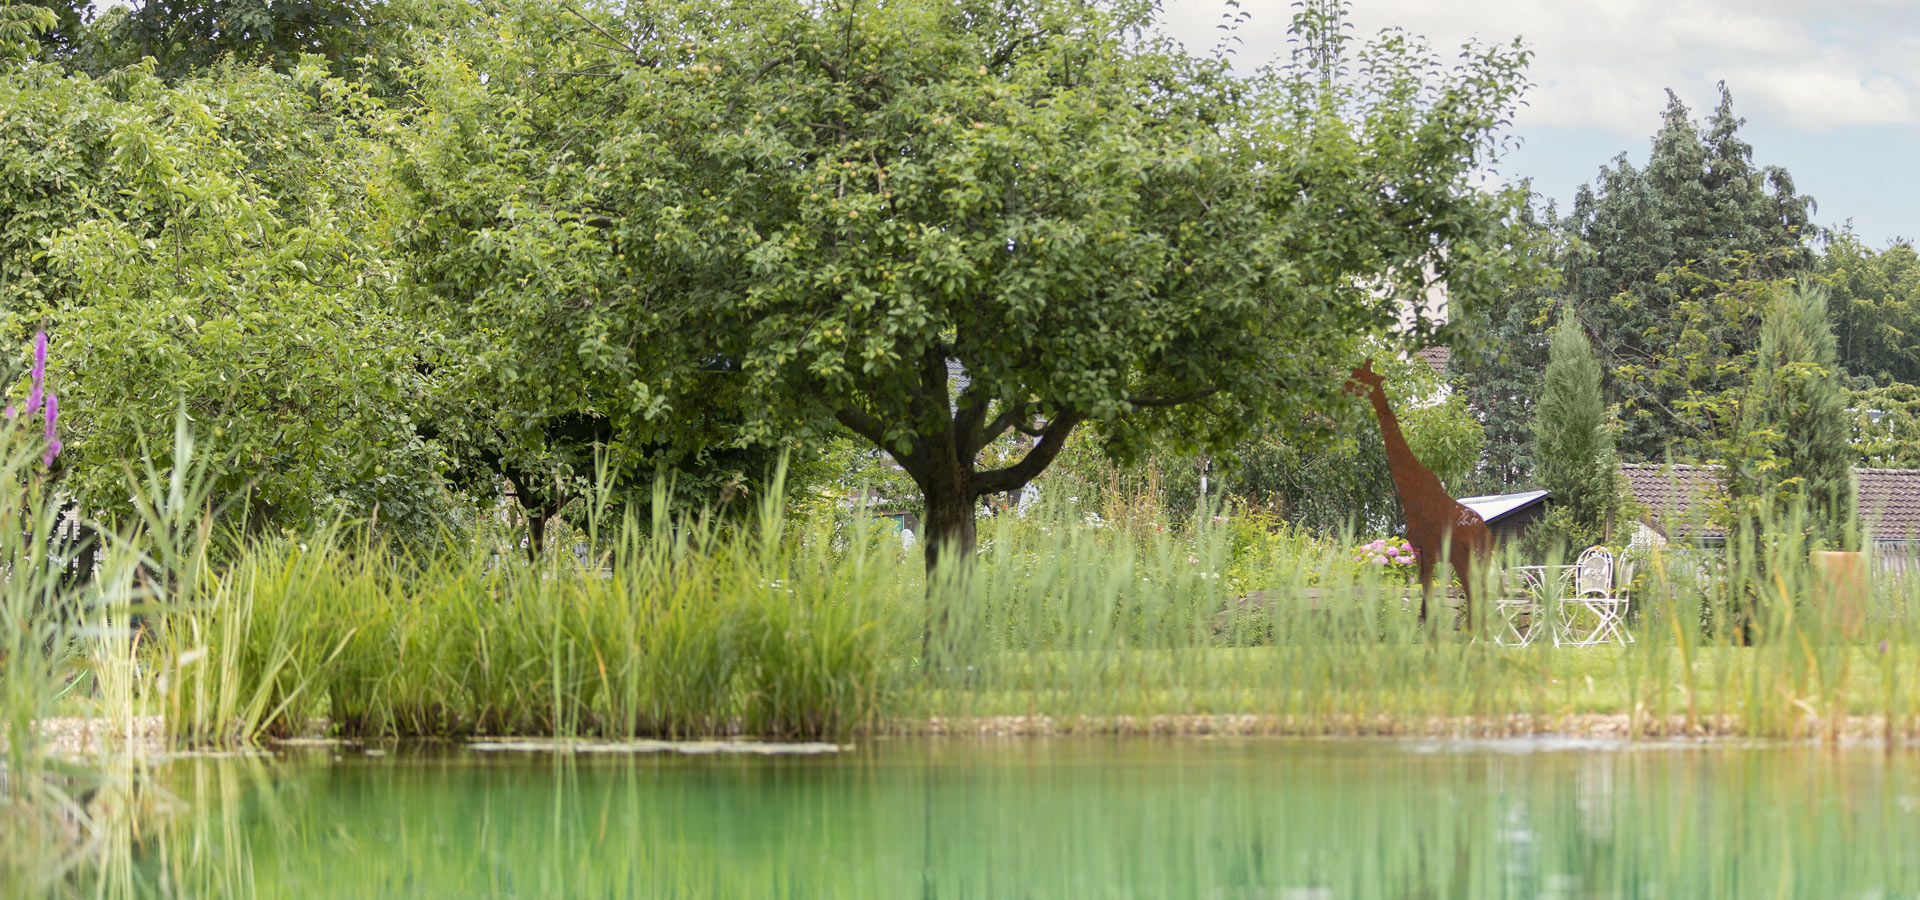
(1830, 89)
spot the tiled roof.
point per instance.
(1437, 358)
(1890, 502)
(1676, 496)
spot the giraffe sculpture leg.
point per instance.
(1464, 568)
(1426, 565)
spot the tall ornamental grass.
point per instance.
(656, 623)
(69, 664)
(675, 626)
(672, 627)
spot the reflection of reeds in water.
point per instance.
(1071, 818)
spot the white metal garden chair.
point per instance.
(1596, 613)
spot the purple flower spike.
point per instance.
(37, 389)
(53, 437)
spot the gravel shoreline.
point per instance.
(77, 737)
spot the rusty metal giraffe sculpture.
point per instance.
(1436, 522)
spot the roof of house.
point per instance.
(1890, 502)
(1494, 507)
(1436, 358)
(1676, 496)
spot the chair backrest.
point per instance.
(1623, 569)
(1594, 575)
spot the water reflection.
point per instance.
(1067, 818)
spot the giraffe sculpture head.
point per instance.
(1363, 379)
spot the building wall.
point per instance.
(1514, 525)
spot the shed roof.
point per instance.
(1494, 507)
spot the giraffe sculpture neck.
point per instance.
(1410, 476)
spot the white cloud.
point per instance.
(1806, 65)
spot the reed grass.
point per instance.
(645, 623)
(675, 626)
(66, 647)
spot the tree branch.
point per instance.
(604, 33)
(862, 424)
(914, 461)
(1052, 439)
(969, 422)
(1014, 416)
(1176, 400)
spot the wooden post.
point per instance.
(1840, 591)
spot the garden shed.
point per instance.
(1509, 516)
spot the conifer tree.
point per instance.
(1650, 244)
(1572, 445)
(1798, 410)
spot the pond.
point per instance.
(1071, 818)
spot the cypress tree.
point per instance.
(1799, 404)
(1572, 446)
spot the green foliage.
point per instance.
(1794, 453)
(1573, 444)
(1099, 227)
(1658, 268)
(1886, 426)
(1444, 435)
(188, 37)
(1326, 473)
(1875, 308)
(220, 242)
(1499, 351)
(1707, 361)
(21, 27)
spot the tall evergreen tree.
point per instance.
(1700, 205)
(1798, 409)
(1571, 440)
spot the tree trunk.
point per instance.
(948, 529)
(536, 532)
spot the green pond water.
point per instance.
(1068, 818)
